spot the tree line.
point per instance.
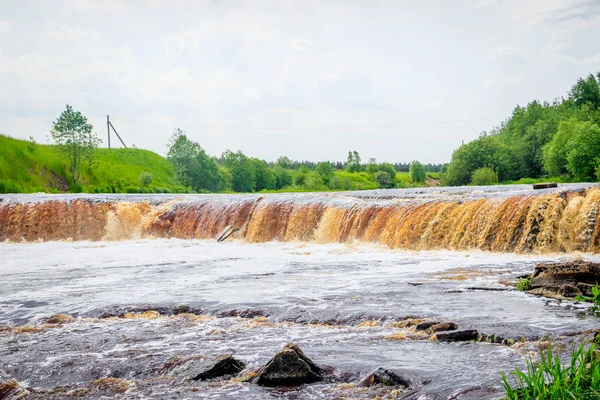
(237, 172)
(558, 139)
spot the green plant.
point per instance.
(32, 144)
(524, 284)
(595, 299)
(145, 178)
(550, 379)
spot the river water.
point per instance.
(343, 303)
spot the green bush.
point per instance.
(145, 178)
(484, 176)
(524, 284)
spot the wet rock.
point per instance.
(568, 290)
(385, 377)
(114, 385)
(289, 367)
(458, 336)
(181, 310)
(443, 326)
(423, 326)
(200, 370)
(545, 185)
(11, 390)
(565, 280)
(498, 339)
(247, 313)
(488, 289)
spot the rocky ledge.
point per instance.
(564, 280)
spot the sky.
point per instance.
(394, 80)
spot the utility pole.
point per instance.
(109, 125)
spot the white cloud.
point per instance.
(6, 26)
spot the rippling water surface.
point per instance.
(341, 303)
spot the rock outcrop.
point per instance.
(565, 280)
(290, 367)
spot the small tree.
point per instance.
(416, 171)
(353, 162)
(75, 140)
(146, 178)
(372, 166)
(484, 176)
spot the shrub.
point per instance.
(484, 176)
(383, 179)
(549, 379)
(145, 178)
(314, 182)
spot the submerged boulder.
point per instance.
(290, 367)
(565, 280)
(385, 377)
(200, 370)
(458, 336)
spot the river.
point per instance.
(344, 301)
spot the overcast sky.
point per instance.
(395, 80)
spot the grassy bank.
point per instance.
(27, 168)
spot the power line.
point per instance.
(311, 128)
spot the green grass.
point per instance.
(117, 170)
(549, 379)
(357, 180)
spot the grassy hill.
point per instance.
(28, 169)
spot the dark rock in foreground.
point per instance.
(289, 367)
(386, 378)
(201, 370)
(11, 390)
(423, 326)
(457, 336)
(565, 280)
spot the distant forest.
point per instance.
(558, 140)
